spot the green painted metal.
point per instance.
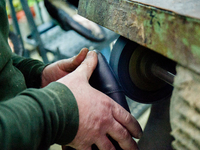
(173, 35)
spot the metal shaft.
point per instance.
(163, 74)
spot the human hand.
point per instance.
(61, 68)
(99, 115)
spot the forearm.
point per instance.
(30, 68)
(37, 118)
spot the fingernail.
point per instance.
(84, 49)
(90, 54)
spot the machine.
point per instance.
(157, 61)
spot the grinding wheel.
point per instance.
(132, 65)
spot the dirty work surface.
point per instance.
(189, 8)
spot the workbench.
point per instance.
(171, 27)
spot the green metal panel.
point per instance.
(170, 34)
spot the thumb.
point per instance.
(88, 65)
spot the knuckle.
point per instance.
(107, 103)
(128, 119)
(100, 124)
(105, 121)
(124, 134)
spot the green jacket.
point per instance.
(31, 117)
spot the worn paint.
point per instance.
(172, 35)
(195, 50)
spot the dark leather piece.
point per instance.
(104, 80)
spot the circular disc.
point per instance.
(120, 63)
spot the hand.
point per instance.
(61, 68)
(99, 115)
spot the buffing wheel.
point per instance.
(132, 65)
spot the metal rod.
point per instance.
(39, 11)
(34, 30)
(163, 74)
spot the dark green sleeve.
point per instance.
(37, 118)
(30, 68)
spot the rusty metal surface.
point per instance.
(173, 35)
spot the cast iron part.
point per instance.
(141, 71)
(104, 80)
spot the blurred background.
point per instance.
(51, 33)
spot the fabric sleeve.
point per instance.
(38, 118)
(30, 68)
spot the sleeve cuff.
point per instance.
(60, 113)
(67, 111)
